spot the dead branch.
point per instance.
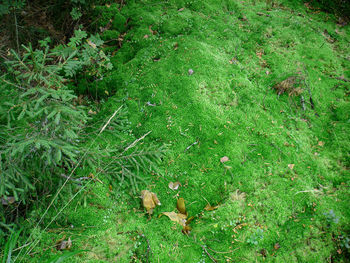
(210, 256)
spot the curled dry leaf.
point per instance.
(181, 205)
(224, 159)
(210, 208)
(320, 143)
(176, 217)
(149, 200)
(91, 44)
(63, 244)
(291, 166)
(8, 201)
(276, 246)
(174, 186)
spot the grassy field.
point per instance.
(200, 75)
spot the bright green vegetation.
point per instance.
(283, 195)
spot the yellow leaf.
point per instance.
(149, 200)
(181, 205)
(179, 218)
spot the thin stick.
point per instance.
(104, 127)
(210, 256)
(191, 146)
(136, 141)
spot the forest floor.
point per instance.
(200, 75)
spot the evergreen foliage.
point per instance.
(40, 123)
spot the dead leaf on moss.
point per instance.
(64, 244)
(149, 201)
(224, 159)
(180, 205)
(210, 208)
(291, 166)
(93, 45)
(176, 217)
(320, 143)
(174, 186)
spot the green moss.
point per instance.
(228, 106)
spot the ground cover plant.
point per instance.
(251, 100)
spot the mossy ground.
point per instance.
(237, 50)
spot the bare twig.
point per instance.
(190, 146)
(104, 127)
(135, 142)
(210, 256)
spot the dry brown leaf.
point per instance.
(224, 159)
(9, 200)
(174, 186)
(210, 208)
(320, 143)
(186, 229)
(181, 9)
(176, 217)
(93, 45)
(276, 246)
(291, 166)
(149, 200)
(63, 244)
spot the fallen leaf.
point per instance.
(174, 186)
(276, 246)
(291, 166)
(181, 9)
(176, 46)
(145, 36)
(149, 201)
(224, 159)
(9, 200)
(63, 244)
(320, 143)
(93, 45)
(210, 208)
(190, 71)
(181, 205)
(176, 217)
(186, 229)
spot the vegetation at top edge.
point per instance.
(281, 196)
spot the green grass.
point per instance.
(228, 106)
